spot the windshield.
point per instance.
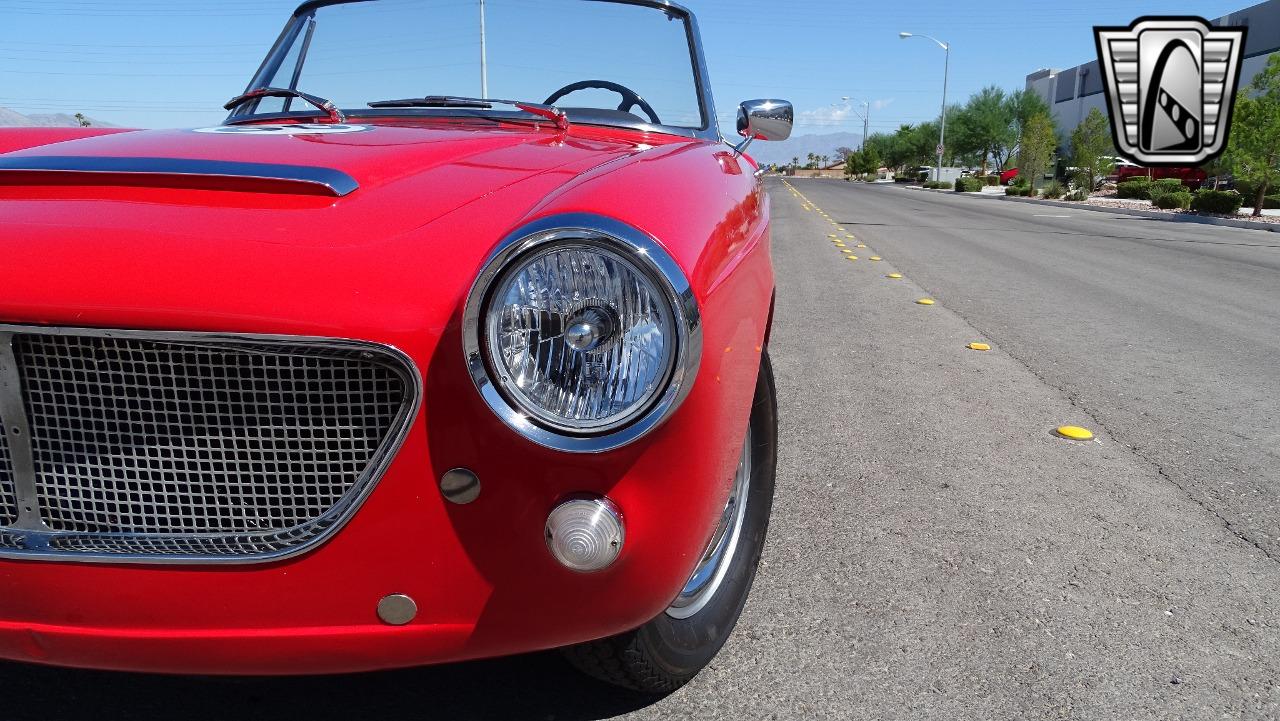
(601, 62)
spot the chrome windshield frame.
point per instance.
(305, 12)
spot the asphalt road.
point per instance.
(935, 552)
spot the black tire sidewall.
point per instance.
(682, 647)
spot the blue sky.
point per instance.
(172, 63)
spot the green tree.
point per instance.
(922, 144)
(852, 163)
(1022, 106)
(1035, 152)
(84, 122)
(983, 127)
(1092, 151)
(1255, 133)
(871, 162)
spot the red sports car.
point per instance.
(378, 374)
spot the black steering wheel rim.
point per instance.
(630, 98)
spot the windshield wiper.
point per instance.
(335, 115)
(550, 112)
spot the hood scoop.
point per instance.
(175, 173)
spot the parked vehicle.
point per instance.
(1191, 177)
(396, 378)
(1008, 176)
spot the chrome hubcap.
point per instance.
(706, 578)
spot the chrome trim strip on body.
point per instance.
(36, 534)
(648, 254)
(334, 182)
(710, 129)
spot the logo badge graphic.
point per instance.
(1171, 85)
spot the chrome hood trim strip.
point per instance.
(330, 181)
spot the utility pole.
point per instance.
(866, 119)
(484, 57)
(946, 70)
(866, 123)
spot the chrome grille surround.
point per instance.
(174, 447)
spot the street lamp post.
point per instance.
(946, 70)
(866, 119)
(484, 57)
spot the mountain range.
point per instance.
(799, 146)
(13, 119)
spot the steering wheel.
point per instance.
(630, 98)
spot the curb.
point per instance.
(1154, 215)
(1169, 217)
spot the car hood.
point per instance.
(398, 252)
(398, 177)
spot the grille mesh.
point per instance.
(8, 495)
(156, 448)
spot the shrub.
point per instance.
(992, 179)
(1224, 202)
(1170, 185)
(1077, 195)
(968, 185)
(1180, 200)
(1135, 189)
(1053, 189)
(1248, 191)
(1012, 190)
(1025, 191)
(938, 184)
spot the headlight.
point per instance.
(581, 333)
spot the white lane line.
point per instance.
(1037, 215)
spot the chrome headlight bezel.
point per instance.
(640, 250)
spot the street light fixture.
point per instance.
(484, 57)
(866, 118)
(946, 69)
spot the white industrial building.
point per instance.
(1072, 93)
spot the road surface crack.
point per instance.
(1134, 450)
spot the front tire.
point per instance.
(665, 653)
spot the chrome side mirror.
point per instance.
(764, 120)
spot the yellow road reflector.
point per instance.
(846, 251)
(894, 276)
(1075, 433)
(862, 245)
(833, 235)
(852, 257)
(876, 257)
(979, 346)
(925, 301)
